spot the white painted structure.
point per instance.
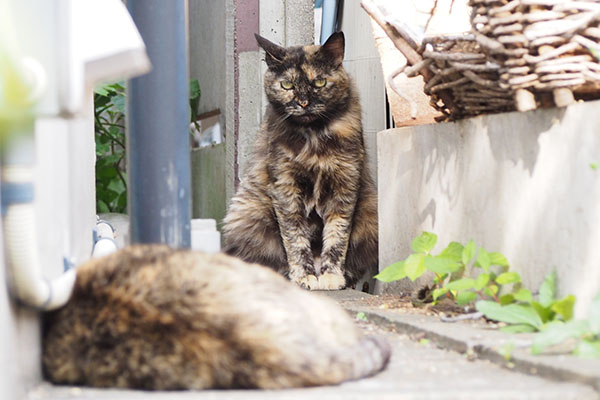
(59, 50)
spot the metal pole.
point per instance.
(158, 128)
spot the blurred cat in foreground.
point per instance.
(152, 317)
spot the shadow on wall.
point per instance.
(518, 183)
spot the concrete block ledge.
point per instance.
(477, 340)
(524, 184)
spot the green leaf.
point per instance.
(518, 328)
(424, 243)
(556, 333)
(523, 295)
(99, 102)
(588, 349)
(564, 307)
(483, 259)
(594, 316)
(548, 290)
(414, 266)
(545, 313)
(106, 172)
(468, 252)
(481, 281)
(511, 314)
(361, 316)
(114, 131)
(101, 207)
(461, 284)
(498, 259)
(118, 86)
(507, 299)
(441, 265)
(122, 202)
(391, 273)
(102, 139)
(508, 277)
(453, 251)
(439, 279)
(110, 159)
(119, 103)
(465, 298)
(194, 99)
(194, 89)
(437, 293)
(117, 185)
(101, 90)
(102, 149)
(490, 290)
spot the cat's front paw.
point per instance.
(309, 282)
(329, 281)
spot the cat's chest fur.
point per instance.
(312, 162)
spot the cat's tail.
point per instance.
(369, 356)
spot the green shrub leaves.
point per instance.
(469, 274)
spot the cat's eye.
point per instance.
(320, 82)
(287, 85)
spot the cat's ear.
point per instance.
(333, 49)
(274, 54)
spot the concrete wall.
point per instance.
(209, 43)
(518, 183)
(361, 60)
(208, 182)
(288, 23)
(225, 59)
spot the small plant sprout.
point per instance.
(361, 316)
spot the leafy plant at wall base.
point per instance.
(524, 314)
(455, 278)
(463, 273)
(585, 333)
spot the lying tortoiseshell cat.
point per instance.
(152, 317)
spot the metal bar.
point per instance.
(158, 149)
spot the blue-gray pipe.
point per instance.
(328, 19)
(158, 128)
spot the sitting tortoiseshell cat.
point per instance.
(156, 318)
(307, 206)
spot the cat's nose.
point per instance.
(302, 102)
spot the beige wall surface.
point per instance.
(518, 183)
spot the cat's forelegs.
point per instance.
(295, 234)
(335, 244)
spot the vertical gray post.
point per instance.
(158, 128)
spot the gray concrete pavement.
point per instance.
(419, 369)
(478, 340)
(416, 371)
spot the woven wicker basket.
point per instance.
(542, 46)
(521, 54)
(463, 71)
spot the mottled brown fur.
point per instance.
(155, 318)
(307, 206)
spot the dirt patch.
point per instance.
(408, 304)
